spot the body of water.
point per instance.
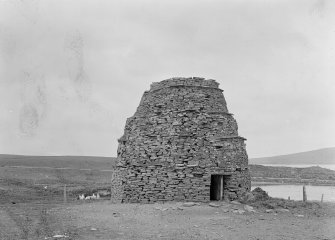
(314, 193)
(329, 166)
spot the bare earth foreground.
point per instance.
(104, 220)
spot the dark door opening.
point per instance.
(217, 185)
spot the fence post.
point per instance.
(289, 198)
(304, 194)
(65, 200)
(322, 198)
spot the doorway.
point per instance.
(218, 183)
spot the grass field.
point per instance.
(42, 178)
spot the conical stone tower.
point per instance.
(182, 144)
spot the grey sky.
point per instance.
(71, 72)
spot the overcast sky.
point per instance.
(71, 72)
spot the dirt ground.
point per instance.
(104, 220)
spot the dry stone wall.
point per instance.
(116, 185)
(180, 135)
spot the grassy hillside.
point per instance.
(314, 173)
(42, 178)
(75, 162)
(320, 156)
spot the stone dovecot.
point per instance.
(182, 144)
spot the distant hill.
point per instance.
(320, 156)
(290, 172)
(77, 162)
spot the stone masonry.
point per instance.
(180, 137)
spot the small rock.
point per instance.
(248, 197)
(214, 205)
(299, 215)
(93, 229)
(189, 204)
(249, 208)
(240, 211)
(269, 211)
(259, 194)
(59, 236)
(235, 202)
(116, 214)
(282, 210)
(180, 208)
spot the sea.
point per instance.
(294, 191)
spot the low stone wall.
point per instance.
(117, 185)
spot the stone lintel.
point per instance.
(230, 137)
(224, 173)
